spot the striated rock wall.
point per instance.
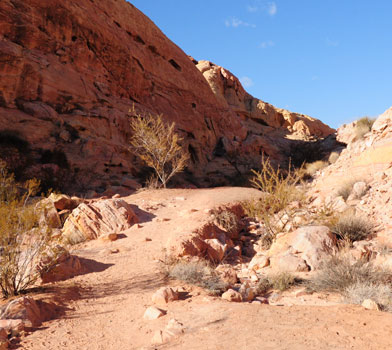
(70, 71)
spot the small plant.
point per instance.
(227, 220)
(157, 144)
(312, 168)
(280, 281)
(346, 188)
(280, 190)
(198, 273)
(24, 238)
(352, 228)
(363, 126)
(339, 273)
(333, 157)
(380, 293)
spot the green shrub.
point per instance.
(312, 168)
(346, 188)
(280, 281)
(333, 157)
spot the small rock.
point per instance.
(164, 295)
(117, 195)
(370, 304)
(153, 313)
(302, 292)
(110, 237)
(139, 226)
(114, 251)
(258, 262)
(147, 239)
(227, 274)
(232, 295)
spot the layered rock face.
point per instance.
(71, 71)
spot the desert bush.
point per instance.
(312, 168)
(280, 190)
(339, 273)
(346, 188)
(380, 293)
(280, 281)
(363, 126)
(24, 238)
(352, 228)
(227, 220)
(157, 144)
(198, 273)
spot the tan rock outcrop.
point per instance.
(164, 295)
(103, 217)
(72, 70)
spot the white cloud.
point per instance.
(246, 82)
(266, 44)
(235, 23)
(272, 9)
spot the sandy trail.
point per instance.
(108, 313)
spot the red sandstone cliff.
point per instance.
(71, 70)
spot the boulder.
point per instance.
(258, 262)
(370, 304)
(232, 295)
(48, 212)
(164, 295)
(32, 312)
(313, 244)
(227, 274)
(102, 217)
(288, 262)
(64, 202)
(64, 266)
(153, 313)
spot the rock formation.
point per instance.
(71, 71)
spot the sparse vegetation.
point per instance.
(280, 190)
(352, 228)
(346, 188)
(198, 273)
(340, 273)
(380, 293)
(227, 220)
(333, 157)
(157, 144)
(24, 238)
(312, 168)
(363, 126)
(280, 281)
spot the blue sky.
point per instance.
(330, 59)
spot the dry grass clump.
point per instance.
(198, 273)
(312, 168)
(363, 126)
(352, 228)
(333, 157)
(346, 188)
(380, 293)
(25, 239)
(340, 273)
(280, 281)
(280, 190)
(157, 144)
(227, 220)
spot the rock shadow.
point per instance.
(142, 215)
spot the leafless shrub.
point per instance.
(157, 144)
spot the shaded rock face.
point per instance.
(71, 71)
